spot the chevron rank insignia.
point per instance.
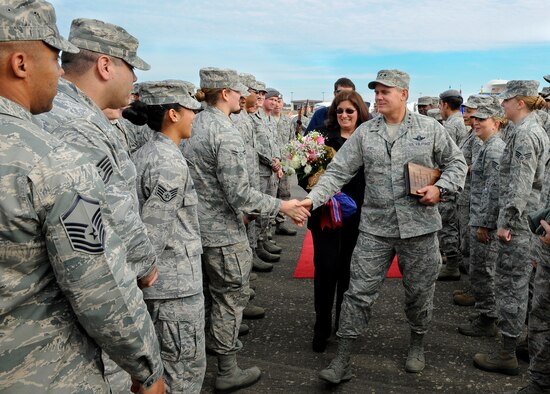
(84, 225)
(166, 195)
(419, 138)
(521, 157)
(105, 169)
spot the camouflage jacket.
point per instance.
(217, 161)
(64, 284)
(485, 184)
(168, 207)
(244, 124)
(388, 210)
(522, 169)
(76, 120)
(540, 252)
(470, 147)
(284, 131)
(266, 139)
(137, 135)
(543, 118)
(456, 128)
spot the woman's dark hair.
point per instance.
(454, 102)
(140, 113)
(357, 102)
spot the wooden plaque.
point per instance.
(418, 176)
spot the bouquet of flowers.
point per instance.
(307, 157)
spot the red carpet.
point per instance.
(305, 268)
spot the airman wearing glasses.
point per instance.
(392, 222)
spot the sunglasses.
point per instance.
(349, 111)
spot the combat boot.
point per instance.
(481, 326)
(253, 312)
(253, 276)
(283, 229)
(415, 359)
(243, 330)
(230, 377)
(464, 299)
(261, 266)
(468, 289)
(265, 255)
(503, 361)
(252, 294)
(272, 248)
(450, 271)
(339, 369)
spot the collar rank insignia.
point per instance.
(166, 195)
(105, 169)
(419, 138)
(84, 225)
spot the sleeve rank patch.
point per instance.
(105, 169)
(84, 225)
(166, 195)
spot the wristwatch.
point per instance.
(442, 192)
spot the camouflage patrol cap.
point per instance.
(190, 87)
(547, 78)
(424, 100)
(248, 80)
(167, 92)
(545, 93)
(450, 93)
(245, 80)
(434, 113)
(108, 39)
(221, 78)
(489, 108)
(260, 86)
(520, 88)
(392, 79)
(31, 20)
(476, 100)
(435, 101)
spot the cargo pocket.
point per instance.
(237, 263)
(177, 337)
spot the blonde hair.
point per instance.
(532, 102)
(210, 95)
(502, 120)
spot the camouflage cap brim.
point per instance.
(137, 62)
(189, 103)
(547, 78)
(61, 44)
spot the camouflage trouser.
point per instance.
(179, 324)
(539, 328)
(483, 258)
(226, 270)
(119, 380)
(267, 186)
(252, 234)
(449, 237)
(464, 229)
(419, 262)
(513, 270)
(283, 193)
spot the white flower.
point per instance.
(307, 169)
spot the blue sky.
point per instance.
(304, 46)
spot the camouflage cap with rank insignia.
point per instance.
(392, 79)
(108, 39)
(527, 88)
(31, 20)
(167, 92)
(221, 78)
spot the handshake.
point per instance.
(298, 211)
(535, 218)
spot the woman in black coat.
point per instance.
(333, 247)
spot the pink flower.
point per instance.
(321, 140)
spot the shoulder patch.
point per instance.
(521, 157)
(166, 195)
(84, 225)
(105, 168)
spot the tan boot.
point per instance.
(464, 299)
(503, 361)
(230, 377)
(339, 369)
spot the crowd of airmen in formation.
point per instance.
(127, 240)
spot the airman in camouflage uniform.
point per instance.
(217, 161)
(449, 236)
(483, 219)
(522, 169)
(168, 206)
(77, 120)
(424, 104)
(392, 222)
(65, 286)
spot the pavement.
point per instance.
(280, 344)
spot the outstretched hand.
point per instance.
(295, 211)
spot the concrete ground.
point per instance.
(280, 344)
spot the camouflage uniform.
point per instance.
(168, 205)
(267, 149)
(137, 136)
(449, 236)
(79, 122)
(284, 136)
(122, 134)
(483, 213)
(217, 162)
(522, 170)
(62, 297)
(391, 221)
